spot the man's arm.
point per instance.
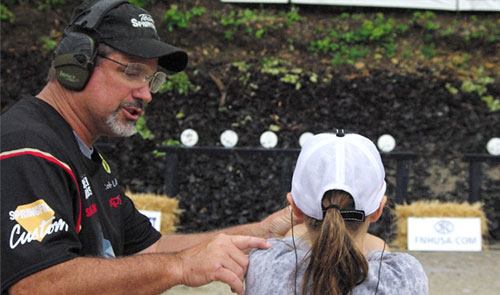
(103, 276)
(217, 259)
(274, 226)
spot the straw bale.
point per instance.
(434, 209)
(170, 213)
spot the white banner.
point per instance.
(422, 4)
(444, 234)
(453, 5)
(483, 5)
(254, 1)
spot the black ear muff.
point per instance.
(74, 60)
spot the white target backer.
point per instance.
(229, 138)
(493, 146)
(386, 143)
(189, 137)
(304, 137)
(268, 139)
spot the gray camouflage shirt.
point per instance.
(272, 271)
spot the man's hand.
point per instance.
(219, 259)
(279, 223)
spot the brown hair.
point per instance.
(336, 264)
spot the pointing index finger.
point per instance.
(246, 242)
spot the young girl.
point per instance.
(338, 188)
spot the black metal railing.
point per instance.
(476, 173)
(403, 165)
(403, 160)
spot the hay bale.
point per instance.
(167, 206)
(434, 209)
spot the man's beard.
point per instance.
(122, 129)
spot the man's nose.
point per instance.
(143, 93)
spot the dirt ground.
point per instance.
(462, 272)
(449, 273)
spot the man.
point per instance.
(63, 212)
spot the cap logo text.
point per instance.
(145, 21)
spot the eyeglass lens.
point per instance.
(145, 74)
(142, 73)
(157, 81)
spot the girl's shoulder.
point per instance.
(388, 257)
(281, 249)
(394, 273)
(272, 271)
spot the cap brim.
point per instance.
(169, 57)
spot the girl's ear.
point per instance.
(376, 215)
(295, 209)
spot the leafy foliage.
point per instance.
(256, 23)
(48, 43)
(6, 14)
(49, 4)
(143, 130)
(348, 44)
(179, 83)
(174, 18)
(143, 3)
(478, 86)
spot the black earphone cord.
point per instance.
(296, 256)
(380, 268)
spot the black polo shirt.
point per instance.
(57, 204)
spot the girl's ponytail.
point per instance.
(336, 265)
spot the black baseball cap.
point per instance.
(129, 29)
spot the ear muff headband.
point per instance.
(75, 55)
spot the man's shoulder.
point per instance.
(29, 124)
(22, 117)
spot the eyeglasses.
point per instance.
(138, 74)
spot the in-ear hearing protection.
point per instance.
(74, 58)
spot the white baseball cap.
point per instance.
(338, 161)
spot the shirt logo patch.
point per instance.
(111, 184)
(91, 210)
(86, 187)
(115, 201)
(37, 219)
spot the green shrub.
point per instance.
(49, 4)
(142, 129)
(142, 3)
(6, 14)
(174, 18)
(350, 44)
(179, 83)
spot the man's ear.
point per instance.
(295, 209)
(376, 215)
